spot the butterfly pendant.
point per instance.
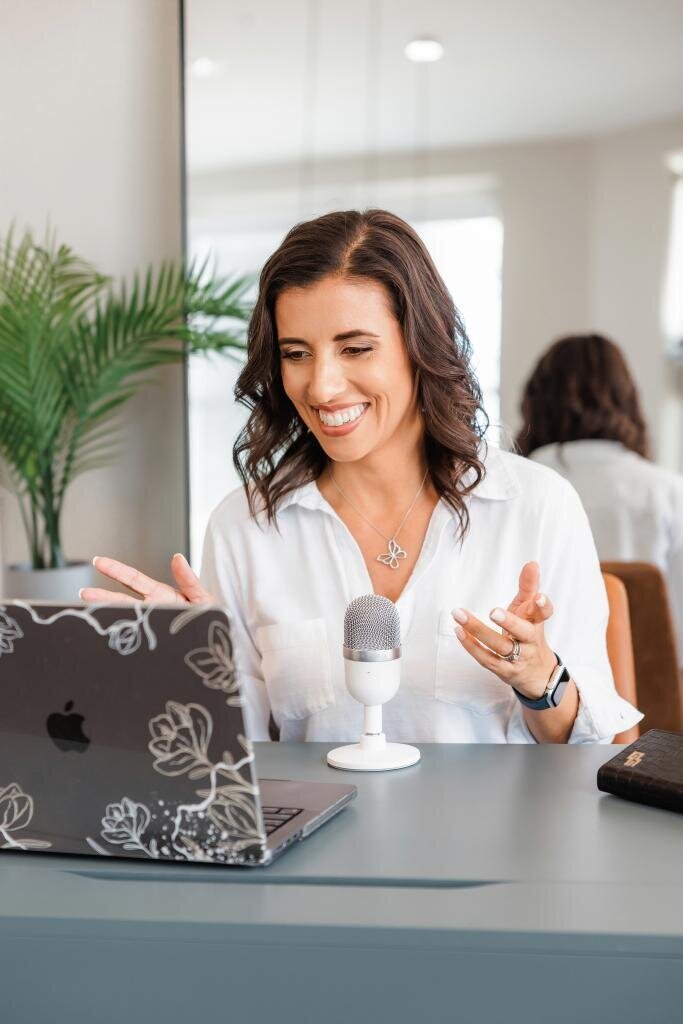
(392, 556)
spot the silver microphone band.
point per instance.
(367, 655)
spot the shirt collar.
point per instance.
(307, 495)
(501, 480)
(586, 450)
(500, 483)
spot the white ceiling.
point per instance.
(323, 78)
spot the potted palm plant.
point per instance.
(74, 346)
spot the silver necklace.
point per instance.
(395, 551)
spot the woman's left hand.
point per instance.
(523, 622)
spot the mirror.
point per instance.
(539, 157)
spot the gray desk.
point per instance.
(488, 883)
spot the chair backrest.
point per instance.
(658, 679)
(620, 649)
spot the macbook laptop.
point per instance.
(122, 735)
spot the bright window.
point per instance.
(468, 254)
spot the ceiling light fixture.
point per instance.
(424, 50)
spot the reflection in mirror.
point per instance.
(542, 171)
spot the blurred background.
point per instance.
(537, 147)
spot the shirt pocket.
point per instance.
(460, 680)
(295, 661)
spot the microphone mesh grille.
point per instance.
(372, 623)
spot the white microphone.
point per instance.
(372, 665)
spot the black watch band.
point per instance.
(554, 691)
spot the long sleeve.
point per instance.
(570, 575)
(221, 577)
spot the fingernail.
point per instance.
(460, 615)
(80, 594)
(179, 554)
(540, 600)
(460, 632)
(95, 557)
(498, 615)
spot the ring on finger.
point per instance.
(514, 653)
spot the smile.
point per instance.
(338, 419)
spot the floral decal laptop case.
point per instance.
(121, 734)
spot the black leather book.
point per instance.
(649, 771)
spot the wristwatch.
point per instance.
(553, 692)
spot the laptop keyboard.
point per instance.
(276, 817)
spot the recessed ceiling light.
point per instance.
(424, 50)
(204, 67)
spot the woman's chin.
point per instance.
(343, 449)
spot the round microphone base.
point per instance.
(373, 754)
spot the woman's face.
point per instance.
(345, 365)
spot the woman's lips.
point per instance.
(344, 428)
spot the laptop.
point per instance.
(122, 734)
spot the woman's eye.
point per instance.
(297, 355)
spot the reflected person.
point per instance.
(582, 416)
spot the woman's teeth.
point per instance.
(335, 419)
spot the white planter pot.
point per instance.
(21, 581)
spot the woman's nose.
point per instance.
(326, 382)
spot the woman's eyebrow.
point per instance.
(359, 333)
(344, 336)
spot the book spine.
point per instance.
(641, 789)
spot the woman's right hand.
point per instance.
(189, 591)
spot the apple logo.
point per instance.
(66, 731)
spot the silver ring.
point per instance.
(514, 653)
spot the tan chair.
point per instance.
(620, 649)
(658, 678)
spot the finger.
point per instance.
(95, 595)
(126, 574)
(515, 626)
(493, 638)
(482, 654)
(188, 581)
(537, 610)
(542, 608)
(529, 582)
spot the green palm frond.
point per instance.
(74, 348)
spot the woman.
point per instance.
(364, 470)
(582, 417)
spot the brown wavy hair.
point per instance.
(582, 388)
(275, 453)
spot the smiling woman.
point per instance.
(351, 311)
(364, 469)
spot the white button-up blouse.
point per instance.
(635, 508)
(287, 589)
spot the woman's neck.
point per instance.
(383, 480)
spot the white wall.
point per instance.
(630, 228)
(90, 139)
(586, 236)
